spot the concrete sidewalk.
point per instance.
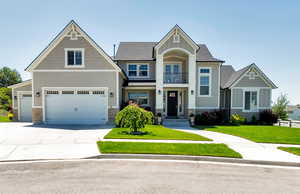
(248, 149)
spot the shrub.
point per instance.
(254, 120)
(267, 117)
(133, 117)
(237, 119)
(10, 116)
(211, 118)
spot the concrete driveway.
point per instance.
(23, 141)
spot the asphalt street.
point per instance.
(144, 176)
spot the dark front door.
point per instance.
(172, 103)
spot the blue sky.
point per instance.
(239, 32)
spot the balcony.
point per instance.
(175, 78)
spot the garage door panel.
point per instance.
(76, 109)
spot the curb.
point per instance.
(194, 158)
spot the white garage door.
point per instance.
(76, 106)
(26, 108)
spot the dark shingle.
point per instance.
(144, 51)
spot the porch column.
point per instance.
(159, 84)
(192, 84)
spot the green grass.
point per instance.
(219, 150)
(292, 150)
(4, 119)
(154, 132)
(260, 133)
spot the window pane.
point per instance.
(175, 68)
(78, 57)
(132, 73)
(143, 67)
(144, 73)
(247, 100)
(204, 90)
(132, 67)
(254, 98)
(204, 80)
(204, 70)
(168, 69)
(140, 98)
(70, 57)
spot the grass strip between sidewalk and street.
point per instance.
(260, 133)
(293, 150)
(194, 149)
(154, 132)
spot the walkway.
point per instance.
(248, 149)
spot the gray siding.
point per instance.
(123, 65)
(211, 101)
(92, 59)
(265, 97)
(182, 44)
(75, 79)
(246, 82)
(237, 97)
(16, 90)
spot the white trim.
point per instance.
(219, 87)
(210, 79)
(82, 65)
(176, 48)
(176, 85)
(24, 83)
(37, 106)
(19, 96)
(140, 88)
(260, 74)
(117, 89)
(32, 91)
(207, 107)
(72, 88)
(251, 88)
(171, 33)
(178, 90)
(73, 70)
(13, 98)
(138, 70)
(60, 36)
(141, 84)
(257, 90)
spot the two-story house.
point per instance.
(75, 82)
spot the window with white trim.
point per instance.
(74, 57)
(141, 98)
(204, 81)
(138, 70)
(250, 101)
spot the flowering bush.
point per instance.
(237, 119)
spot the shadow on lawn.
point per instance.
(138, 133)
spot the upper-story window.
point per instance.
(138, 70)
(74, 57)
(204, 81)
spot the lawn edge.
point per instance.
(282, 148)
(194, 158)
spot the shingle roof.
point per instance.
(144, 51)
(226, 73)
(234, 76)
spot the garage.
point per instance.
(25, 106)
(76, 106)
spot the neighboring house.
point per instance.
(75, 82)
(293, 112)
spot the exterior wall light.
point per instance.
(111, 94)
(37, 94)
(192, 92)
(15, 97)
(159, 92)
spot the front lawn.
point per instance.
(219, 150)
(293, 150)
(154, 132)
(260, 133)
(4, 119)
